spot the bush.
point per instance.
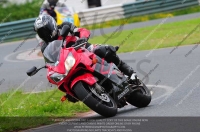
(13, 12)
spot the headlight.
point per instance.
(57, 77)
(69, 62)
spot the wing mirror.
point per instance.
(32, 71)
(65, 31)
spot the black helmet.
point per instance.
(52, 3)
(46, 28)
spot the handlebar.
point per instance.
(80, 45)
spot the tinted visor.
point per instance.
(45, 34)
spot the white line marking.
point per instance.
(168, 89)
(19, 57)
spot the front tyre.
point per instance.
(140, 97)
(105, 106)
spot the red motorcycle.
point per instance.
(85, 77)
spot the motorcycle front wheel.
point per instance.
(141, 97)
(102, 104)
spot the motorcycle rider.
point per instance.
(46, 28)
(48, 8)
(49, 5)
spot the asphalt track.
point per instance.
(173, 78)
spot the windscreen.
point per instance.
(52, 51)
(64, 11)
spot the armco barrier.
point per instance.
(17, 30)
(101, 14)
(155, 6)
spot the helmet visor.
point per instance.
(45, 34)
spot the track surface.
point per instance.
(173, 77)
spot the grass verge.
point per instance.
(153, 37)
(24, 111)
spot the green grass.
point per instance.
(153, 37)
(24, 111)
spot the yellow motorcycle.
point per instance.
(63, 14)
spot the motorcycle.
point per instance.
(63, 14)
(85, 77)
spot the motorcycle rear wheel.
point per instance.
(140, 97)
(84, 93)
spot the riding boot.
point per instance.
(126, 69)
(123, 67)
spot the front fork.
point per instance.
(130, 86)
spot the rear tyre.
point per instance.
(140, 97)
(107, 108)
